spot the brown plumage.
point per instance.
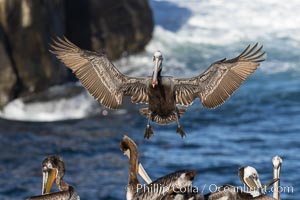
(220, 80)
(167, 187)
(162, 94)
(53, 169)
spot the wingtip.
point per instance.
(62, 44)
(55, 38)
(52, 47)
(253, 53)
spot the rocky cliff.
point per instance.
(27, 26)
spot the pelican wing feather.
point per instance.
(215, 85)
(99, 76)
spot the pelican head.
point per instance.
(157, 59)
(277, 161)
(127, 144)
(53, 170)
(249, 177)
(185, 179)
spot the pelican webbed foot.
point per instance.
(148, 132)
(180, 131)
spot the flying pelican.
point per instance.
(162, 188)
(277, 161)
(250, 178)
(54, 170)
(108, 85)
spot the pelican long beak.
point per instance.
(144, 175)
(127, 153)
(277, 171)
(254, 183)
(157, 65)
(268, 184)
(48, 180)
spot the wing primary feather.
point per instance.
(94, 71)
(256, 58)
(250, 49)
(254, 53)
(245, 51)
(220, 80)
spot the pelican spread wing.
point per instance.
(220, 80)
(99, 76)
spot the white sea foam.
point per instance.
(242, 19)
(75, 107)
(76, 104)
(218, 28)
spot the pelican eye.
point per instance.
(49, 166)
(254, 176)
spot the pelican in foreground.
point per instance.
(141, 171)
(53, 169)
(163, 94)
(277, 162)
(167, 187)
(250, 178)
(229, 192)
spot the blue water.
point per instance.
(261, 119)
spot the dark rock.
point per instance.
(7, 77)
(28, 27)
(111, 26)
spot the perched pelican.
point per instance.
(229, 192)
(141, 171)
(108, 85)
(277, 161)
(53, 170)
(163, 188)
(250, 178)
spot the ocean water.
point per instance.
(259, 121)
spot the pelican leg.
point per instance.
(148, 131)
(179, 128)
